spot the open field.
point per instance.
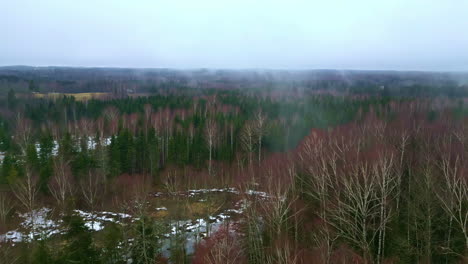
(78, 96)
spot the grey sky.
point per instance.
(347, 34)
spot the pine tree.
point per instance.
(41, 254)
(4, 138)
(153, 152)
(112, 238)
(79, 247)
(146, 244)
(11, 99)
(46, 145)
(114, 157)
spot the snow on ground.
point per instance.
(55, 148)
(12, 236)
(96, 221)
(258, 193)
(233, 190)
(35, 225)
(192, 193)
(39, 224)
(90, 141)
(193, 232)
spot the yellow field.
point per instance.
(78, 96)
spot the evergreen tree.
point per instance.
(79, 247)
(46, 145)
(114, 157)
(41, 254)
(10, 171)
(153, 152)
(32, 86)
(145, 247)
(111, 251)
(11, 99)
(83, 160)
(4, 138)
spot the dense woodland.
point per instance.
(358, 175)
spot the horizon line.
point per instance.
(234, 68)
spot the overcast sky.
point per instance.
(308, 34)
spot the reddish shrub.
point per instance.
(223, 247)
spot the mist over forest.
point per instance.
(110, 165)
(233, 132)
(119, 80)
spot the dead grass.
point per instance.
(160, 214)
(77, 96)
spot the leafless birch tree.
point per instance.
(60, 185)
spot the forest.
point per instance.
(232, 167)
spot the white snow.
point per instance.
(96, 221)
(257, 193)
(38, 225)
(90, 141)
(35, 225)
(95, 226)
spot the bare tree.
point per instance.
(100, 128)
(111, 114)
(386, 183)
(454, 193)
(145, 230)
(231, 135)
(23, 132)
(148, 111)
(8, 255)
(318, 184)
(211, 135)
(284, 254)
(6, 207)
(278, 204)
(91, 190)
(86, 126)
(401, 146)
(225, 251)
(356, 209)
(25, 189)
(260, 129)
(247, 139)
(60, 185)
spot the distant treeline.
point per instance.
(136, 81)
